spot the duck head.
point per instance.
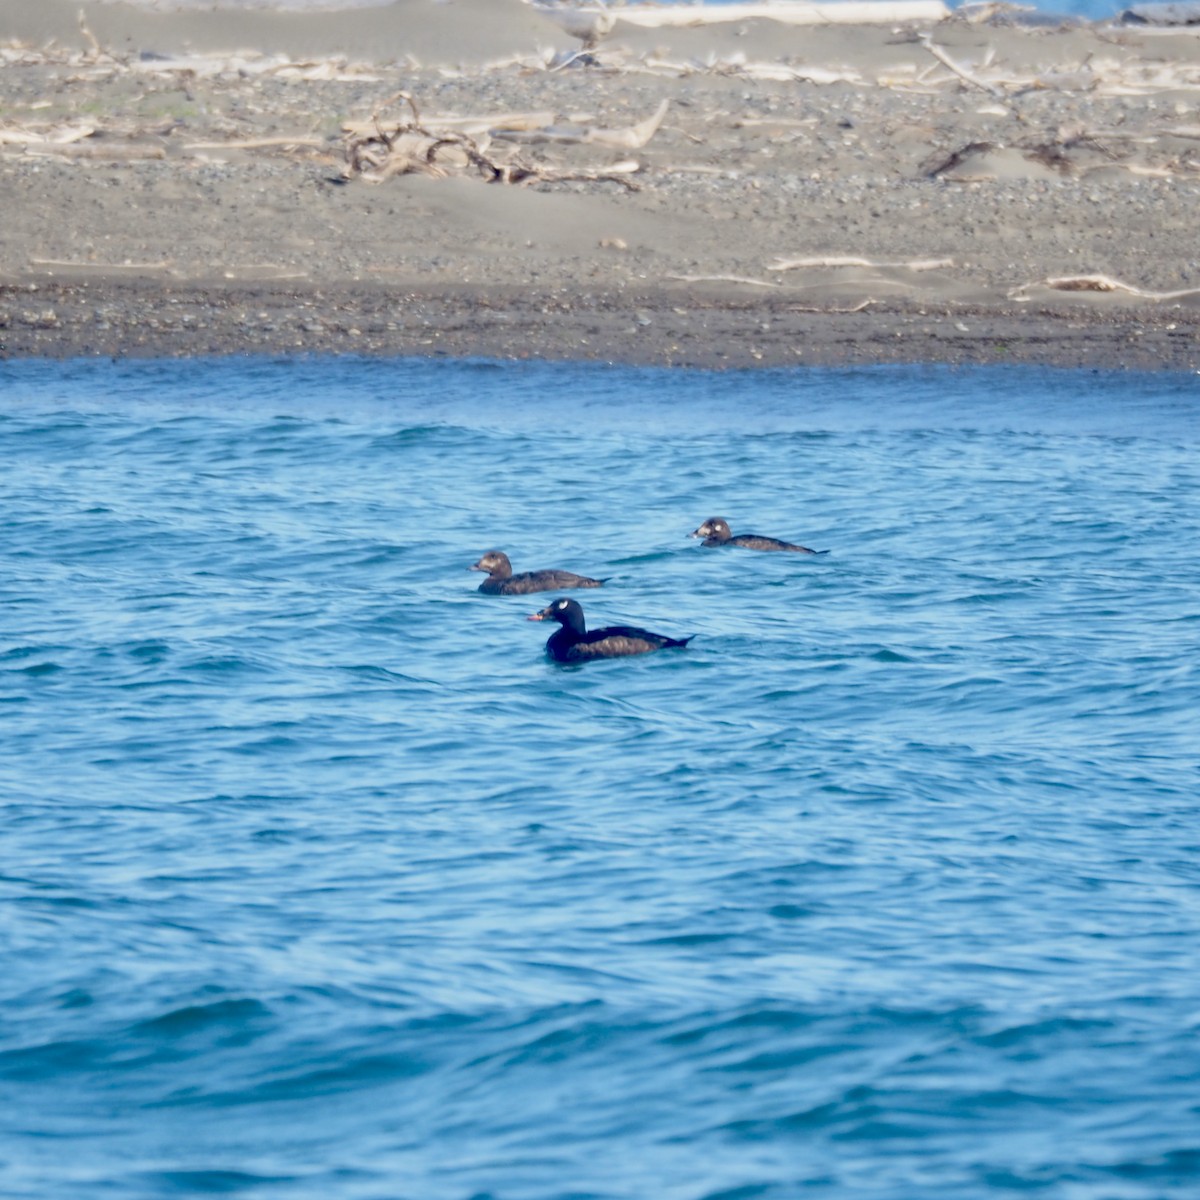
(565, 612)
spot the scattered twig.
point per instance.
(926, 40)
(957, 157)
(95, 50)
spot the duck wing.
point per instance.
(544, 581)
(620, 641)
(754, 541)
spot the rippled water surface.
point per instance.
(319, 881)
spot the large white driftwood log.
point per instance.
(788, 12)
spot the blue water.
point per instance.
(319, 881)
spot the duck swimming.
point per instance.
(572, 643)
(715, 532)
(502, 582)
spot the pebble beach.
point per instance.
(975, 189)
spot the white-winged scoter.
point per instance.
(573, 643)
(715, 532)
(502, 582)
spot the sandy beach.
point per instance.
(736, 194)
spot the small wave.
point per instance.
(211, 1182)
(423, 436)
(39, 669)
(50, 1060)
(191, 1018)
(891, 656)
(351, 1073)
(1053, 1031)
(1177, 1167)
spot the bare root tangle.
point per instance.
(378, 149)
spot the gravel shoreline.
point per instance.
(819, 196)
(651, 327)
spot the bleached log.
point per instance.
(98, 150)
(61, 135)
(913, 264)
(812, 308)
(1098, 283)
(264, 143)
(766, 283)
(72, 264)
(787, 12)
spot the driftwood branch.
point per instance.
(95, 50)
(912, 264)
(127, 152)
(811, 308)
(926, 40)
(743, 279)
(634, 137)
(61, 135)
(76, 264)
(264, 143)
(1098, 283)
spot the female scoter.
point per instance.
(715, 532)
(572, 643)
(502, 582)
